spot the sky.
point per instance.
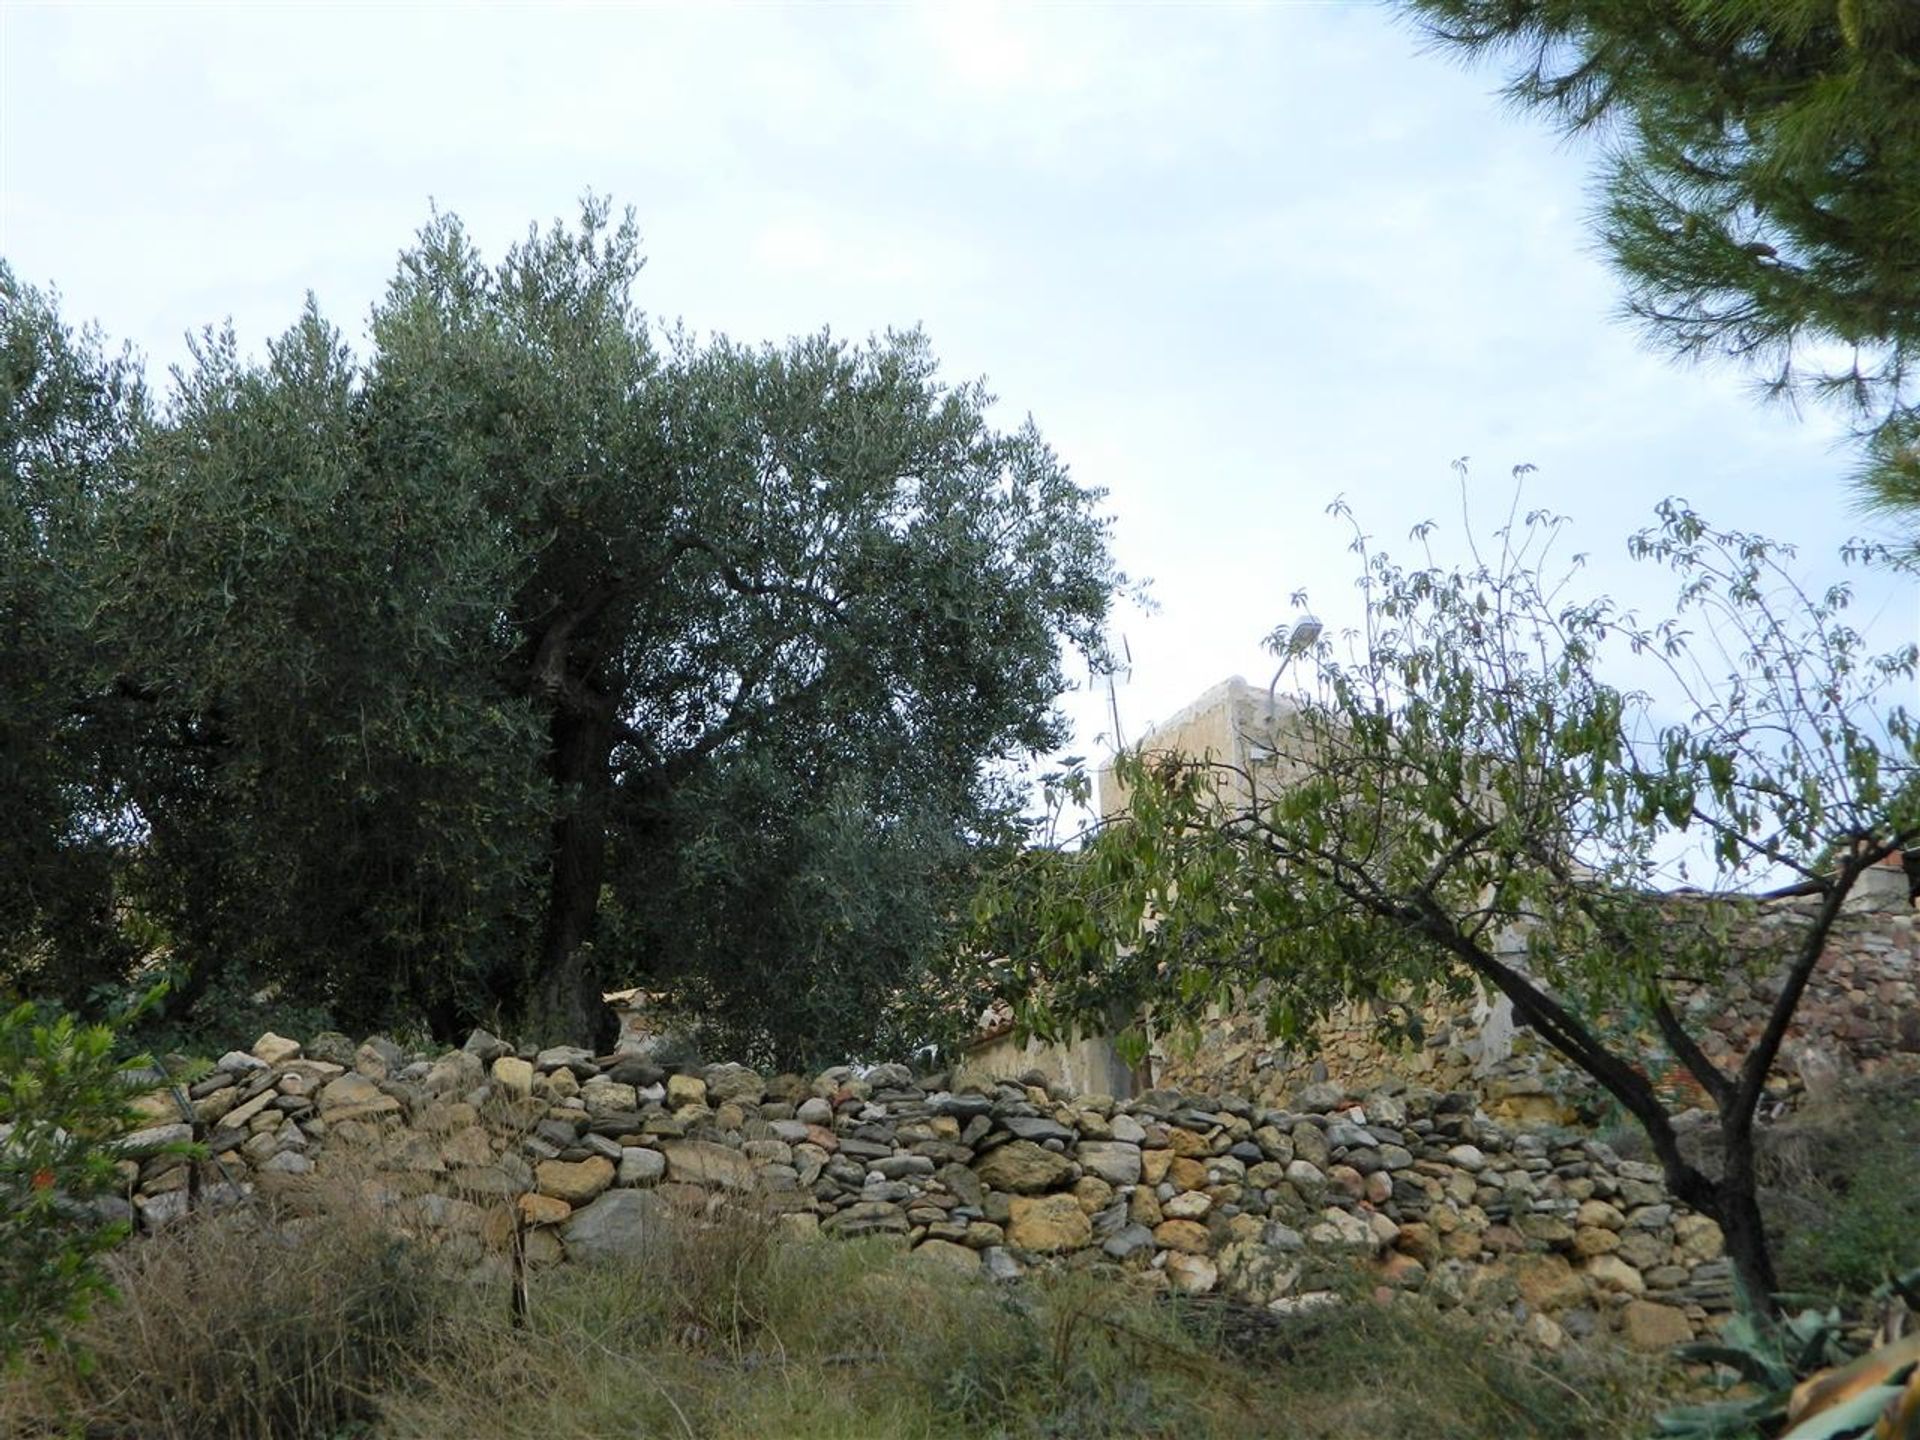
(1235, 260)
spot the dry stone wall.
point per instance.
(569, 1156)
(1860, 1013)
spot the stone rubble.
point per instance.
(574, 1156)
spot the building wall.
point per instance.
(1086, 1066)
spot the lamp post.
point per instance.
(1298, 641)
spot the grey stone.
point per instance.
(733, 1082)
(614, 1226)
(999, 1263)
(1130, 1240)
(566, 1057)
(1115, 1161)
(485, 1047)
(867, 1217)
(640, 1166)
(1035, 1128)
(1319, 1098)
(154, 1138)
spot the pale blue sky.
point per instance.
(1234, 259)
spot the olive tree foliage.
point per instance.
(540, 649)
(68, 413)
(1760, 179)
(1465, 802)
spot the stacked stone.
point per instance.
(568, 1155)
(1860, 1012)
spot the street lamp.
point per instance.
(1297, 642)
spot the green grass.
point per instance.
(742, 1331)
(1843, 1188)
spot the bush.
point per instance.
(1842, 1188)
(246, 1324)
(242, 1326)
(63, 1103)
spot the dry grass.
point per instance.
(247, 1325)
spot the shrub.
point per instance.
(1844, 1188)
(63, 1104)
(242, 1326)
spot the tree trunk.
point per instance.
(1741, 1223)
(563, 1004)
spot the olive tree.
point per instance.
(543, 647)
(1465, 774)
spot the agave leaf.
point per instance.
(1852, 1419)
(1888, 1366)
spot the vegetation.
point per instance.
(1841, 1187)
(63, 1104)
(232, 1329)
(535, 650)
(1467, 801)
(1761, 177)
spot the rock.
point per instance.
(1610, 1272)
(1600, 1215)
(543, 1209)
(814, 1111)
(1589, 1241)
(947, 1255)
(570, 1058)
(486, 1047)
(735, 1083)
(355, 1097)
(1186, 1235)
(1128, 1241)
(513, 1075)
(701, 1162)
(1547, 1282)
(1115, 1161)
(378, 1058)
(640, 1166)
(614, 1227)
(1024, 1168)
(1318, 1099)
(1033, 1127)
(1192, 1274)
(574, 1181)
(1543, 1331)
(272, 1049)
(1468, 1157)
(1648, 1326)
(1340, 1229)
(1189, 1205)
(331, 1047)
(685, 1090)
(454, 1073)
(1000, 1263)
(1048, 1224)
(1128, 1130)
(867, 1217)
(1699, 1238)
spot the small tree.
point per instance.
(1467, 777)
(63, 1104)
